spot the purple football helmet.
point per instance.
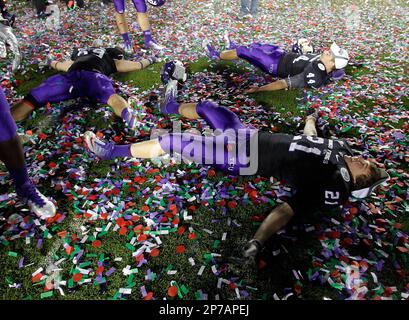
(302, 46)
(173, 70)
(156, 3)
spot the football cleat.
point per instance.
(100, 148)
(36, 201)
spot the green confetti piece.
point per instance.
(337, 286)
(207, 257)
(130, 235)
(103, 233)
(12, 254)
(130, 247)
(130, 278)
(184, 289)
(85, 264)
(48, 294)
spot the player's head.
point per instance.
(156, 3)
(366, 176)
(121, 50)
(335, 58)
(303, 46)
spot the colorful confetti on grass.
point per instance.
(127, 229)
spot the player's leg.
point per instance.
(108, 150)
(144, 24)
(118, 104)
(99, 88)
(12, 155)
(55, 89)
(120, 19)
(63, 66)
(262, 56)
(229, 55)
(216, 117)
(199, 149)
(121, 108)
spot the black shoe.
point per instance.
(43, 15)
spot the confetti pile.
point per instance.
(127, 229)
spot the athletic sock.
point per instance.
(171, 106)
(121, 151)
(19, 175)
(147, 36)
(129, 118)
(126, 38)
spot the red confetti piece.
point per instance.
(211, 173)
(100, 269)
(77, 277)
(37, 277)
(155, 252)
(172, 291)
(69, 250)
(96, 243)
(232, 204)
(120, 222)
(52, 165)
(123, 231)
(181, 230)
(149, 296)
(42, 136)
(180, 249)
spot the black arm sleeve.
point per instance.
(303, 203)
(312, 77)
(297, 81)
(74, 54)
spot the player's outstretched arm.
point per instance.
(61, 65)
(274, 222)
(310, 128)
(274, 86)
(128, 66)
